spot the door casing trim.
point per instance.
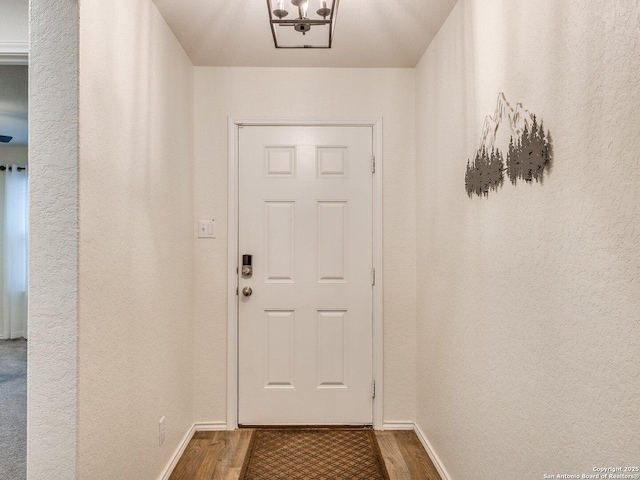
(14, 53)
(234, 124)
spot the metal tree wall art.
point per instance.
(528, 150)
(485, 173)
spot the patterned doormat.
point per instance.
(314, 454)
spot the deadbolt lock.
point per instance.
(247, 269)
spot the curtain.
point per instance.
(15, 254)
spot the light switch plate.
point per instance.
(206, 229)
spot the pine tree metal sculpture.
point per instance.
(529, 154)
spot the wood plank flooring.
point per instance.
(213, 455)
(405, 457)
(220, 455)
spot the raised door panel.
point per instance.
(280, 162)
(332, 241)
(280, 241)
(332, 355)
(332, 162)
(280, 348)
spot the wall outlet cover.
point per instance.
(161, 432)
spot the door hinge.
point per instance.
(237, 291)
(373, 276)
(373, 164)
(373, 389)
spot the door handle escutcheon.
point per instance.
(246, 291)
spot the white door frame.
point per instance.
(14, 53)
(234, 124)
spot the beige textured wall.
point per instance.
(53, 240)
(528, 305)
(305, 93)
(136, 241)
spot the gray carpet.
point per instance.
(13, 409)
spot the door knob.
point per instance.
(246, 291)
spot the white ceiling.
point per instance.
(369, 33)
(14, 82)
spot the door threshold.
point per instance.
(307, 427)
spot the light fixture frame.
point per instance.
(331, 21)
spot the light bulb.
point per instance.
(280, 12)
(323, 11)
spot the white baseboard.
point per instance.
(210, 426)
(178, 453)
(431, 452)
(196, 427)
(399, 425)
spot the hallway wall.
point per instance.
(136, 241)
(52, 382)
(528, 326)
(305, 93)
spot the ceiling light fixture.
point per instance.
(308, 30)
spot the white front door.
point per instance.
(305, 331)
